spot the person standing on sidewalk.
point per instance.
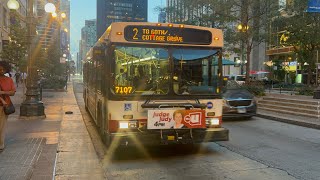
(24, 78)
(7, 89)
(17, 76)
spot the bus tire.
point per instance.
(85, 101)
(106, 140)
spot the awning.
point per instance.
(258, 72)
(225, 62)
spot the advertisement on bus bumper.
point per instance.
(176, 119)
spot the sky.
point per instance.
(81, 10)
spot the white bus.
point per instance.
(149, 83)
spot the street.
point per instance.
(143, 90)
(257, 149)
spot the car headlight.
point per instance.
(224, 102)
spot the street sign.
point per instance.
(313, 6)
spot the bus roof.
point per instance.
(162, 33)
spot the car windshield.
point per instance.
(241, 78)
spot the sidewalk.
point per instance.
(57, 147)
(291, 119)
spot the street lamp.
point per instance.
(242, 29)
(50, 8)
(13, 4)
(31, 106)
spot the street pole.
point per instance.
(317, 64)
(32, 106)
(242, 59)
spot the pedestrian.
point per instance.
(17, 76)
(121, 78)
(7, 89)
(23, 77)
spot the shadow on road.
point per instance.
(122, 154)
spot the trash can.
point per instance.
(316, 93)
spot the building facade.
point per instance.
(88, 39)
(280, 55)
(46, 26)
(162, 17)
(65, 29)
(4, 24)
(109, 11)
(5, 20)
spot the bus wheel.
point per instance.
(107, 140)
(85, 101)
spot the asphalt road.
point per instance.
(258, 149)
(293, 149)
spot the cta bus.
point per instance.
(155, 84)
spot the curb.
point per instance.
(289, 121)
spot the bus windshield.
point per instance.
(147, 71)
(195, 71)
(141, 70)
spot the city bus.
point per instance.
(156, 84)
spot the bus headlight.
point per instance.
(128, 125)
(123, 125)
(212, 121)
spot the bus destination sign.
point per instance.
(175, 35)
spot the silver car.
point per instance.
(238, 103)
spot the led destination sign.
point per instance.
(174, 35)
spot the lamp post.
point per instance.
(243, 29)
(31, 106)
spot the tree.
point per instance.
(52, 65)
(52, 71)
(16, 50)
(251, 21)
(304, 35)
(253, 15)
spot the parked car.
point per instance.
(240, 79)
(238, 102)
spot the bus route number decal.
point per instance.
(123, 89)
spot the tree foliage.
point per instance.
(50, 63)
(16, 49)
(227, 15)
(304, 35)
(52, 71)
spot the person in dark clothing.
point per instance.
(17, 75)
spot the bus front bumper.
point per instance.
(166, 137)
